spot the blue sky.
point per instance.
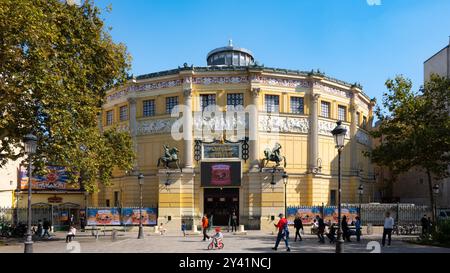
(347, 39)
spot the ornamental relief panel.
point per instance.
(282, 82)
(325, 127)
(160, 126)
(333, 91)
(283, 124)
(362, 138)
(219, 123)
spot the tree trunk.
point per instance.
(430, 188)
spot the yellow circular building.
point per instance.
(259, 112)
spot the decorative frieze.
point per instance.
(219, 123)
(333, 91)
(362, 138)
(325, 128)
(283, 124)
(157, 126)
(281, 82)
(220, 80)
(154, 86)
(117, 95)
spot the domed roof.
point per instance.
(230, 55)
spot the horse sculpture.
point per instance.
(273, 156)
(170, 155)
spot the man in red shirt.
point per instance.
(283, 232)
(205, 224)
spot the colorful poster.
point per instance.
(107, 217)
(220, 175)
(55, 179)
(306, 214)
(130, 216)
(331, 214)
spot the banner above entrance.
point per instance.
(221, 151)
(220, 174)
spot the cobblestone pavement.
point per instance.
(253, 242)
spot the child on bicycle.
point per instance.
(218, 237)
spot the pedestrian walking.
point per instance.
(205, 225)
(425, 225)
(46, 226)
(358, 228)
(388, 227)
(39, 229)
(298, 225)
(283, 232)
(234, 222)
(183, 228)
(320, 229)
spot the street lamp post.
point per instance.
(436, 192)
(141, 229)
(360, 192)
(339, 133)
(285, 181)
(30, 142)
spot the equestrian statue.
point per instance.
(170, 155)
(273, 156)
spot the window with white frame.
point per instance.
(207, 100)
(325, 109)
(171, 102)
(272, 103)
(123, 113)
(109, 117)
(149, 108)
(342, 113)
(235, 99)
(297, 105)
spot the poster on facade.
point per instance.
(220, 174)
(55, 179)
(106, 217)
(331, 214)
(130, 216)
(306, 214)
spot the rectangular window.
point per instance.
(342, 113)
(235, 99)
(109, 117)
(297, 105)
(116, 199)
(171, 102)
(149, 108)
(272, 103)
(358, 117)
(325, 109)
(364, 123)
(207, 100)
(107, 203)
(123, 113)
(333, 198)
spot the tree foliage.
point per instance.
(56, 63)
(415, 128)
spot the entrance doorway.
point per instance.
(220, 204)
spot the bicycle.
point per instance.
(215, 244)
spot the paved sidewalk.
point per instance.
(254, 242)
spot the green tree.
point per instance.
(415, 129)
(56, 63)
